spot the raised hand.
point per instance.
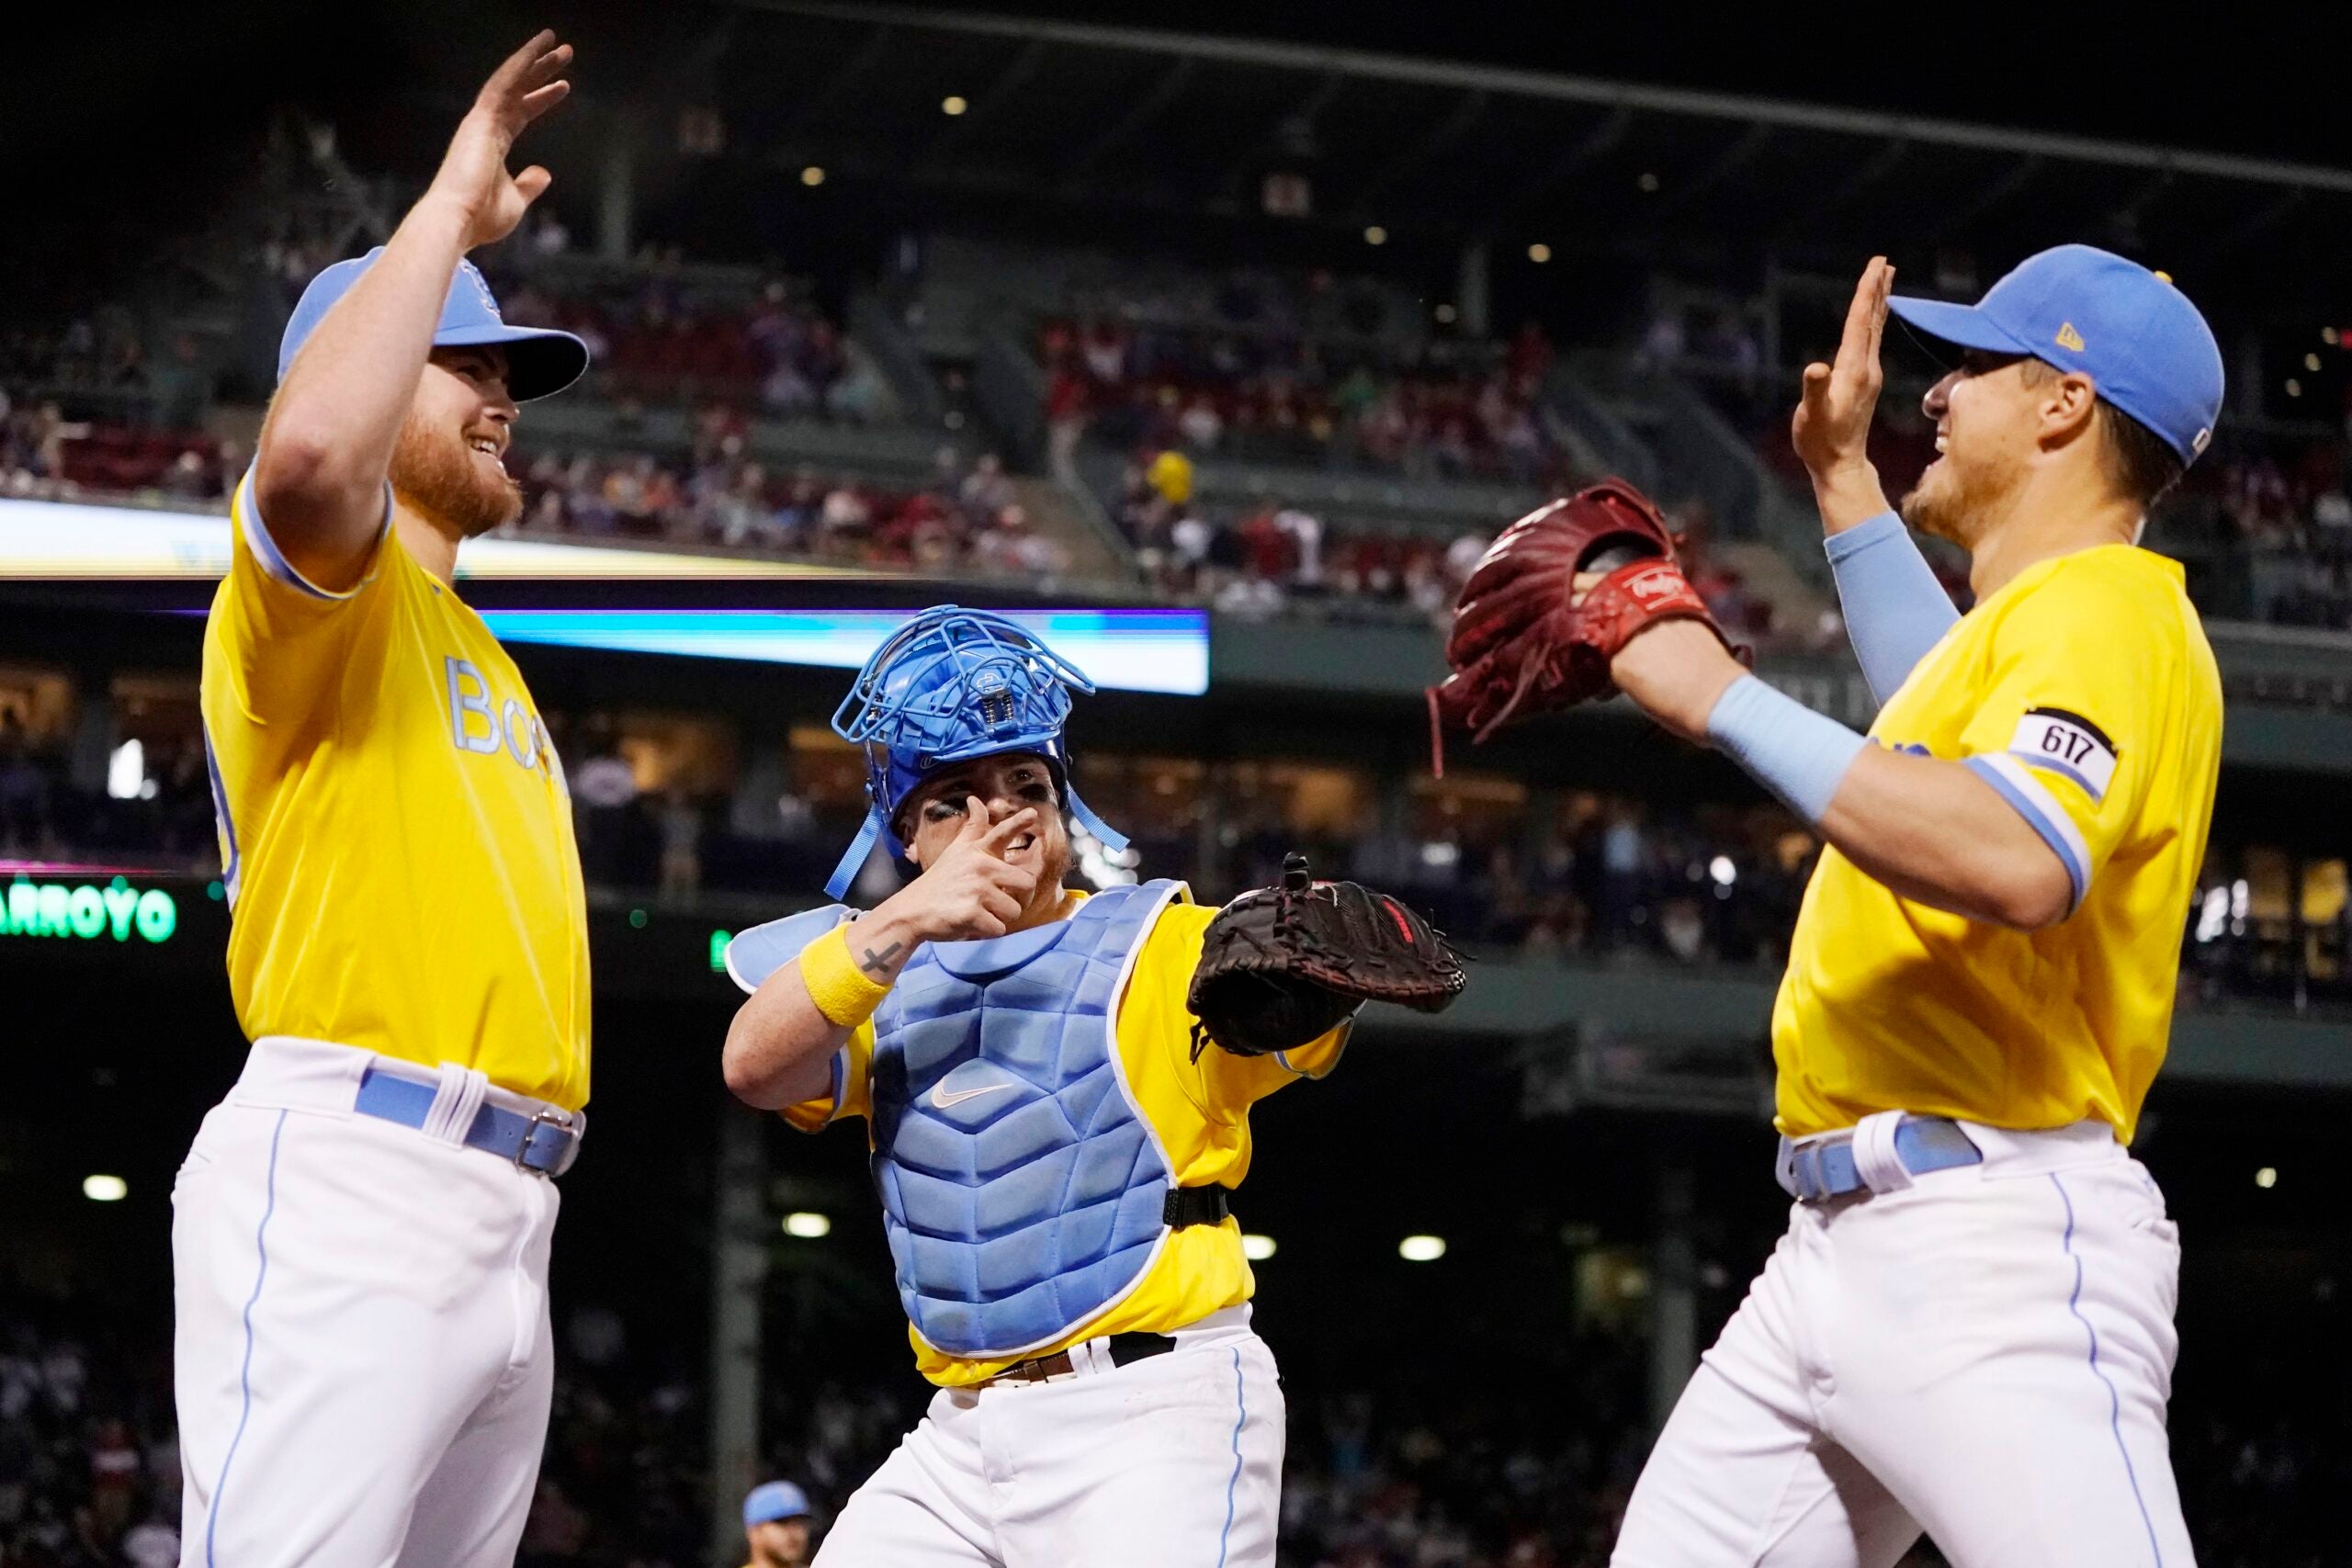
(1832, 425)
(473, 172)
(971, 891)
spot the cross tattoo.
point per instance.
(878, 963)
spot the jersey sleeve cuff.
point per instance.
(273, 560)
(815, 1115)
(2032, 800)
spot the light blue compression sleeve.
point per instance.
(1895, 610)
(1796, 753)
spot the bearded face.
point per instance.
(1987, 430)
(449, 460)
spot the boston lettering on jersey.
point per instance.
(477, 725)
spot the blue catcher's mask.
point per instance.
(951, 685)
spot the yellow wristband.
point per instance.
(842, 992)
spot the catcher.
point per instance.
(1056, 1091)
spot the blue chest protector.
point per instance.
(1022, 1188)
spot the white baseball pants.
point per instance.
(1173, 1461)
(364, 1362)
(1986, 1355)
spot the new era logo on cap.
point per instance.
(2068, 338)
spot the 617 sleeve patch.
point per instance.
(2066, 744)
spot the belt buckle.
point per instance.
(544, 1117)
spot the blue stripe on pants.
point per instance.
(245, 1374)
(1242, 1415)
(2114, 1399)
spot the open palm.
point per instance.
(1832, 425)
(473, 173)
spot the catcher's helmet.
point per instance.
(950, 685)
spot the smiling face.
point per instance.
(1995, 417)
(932, 815)
(449, 460)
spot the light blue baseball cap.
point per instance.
(539, 360)
(2143, 345)
(775, 1500)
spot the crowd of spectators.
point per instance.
(966, 518)
(103, 359)
(89, 1465)
(1269, 558)
(662, 333)
(46, 456)
(2267, 528)
(1270, 391)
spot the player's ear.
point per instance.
(2069, 408)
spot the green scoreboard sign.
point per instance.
(87, 912)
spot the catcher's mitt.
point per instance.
(1551, 602)
(1284, 965)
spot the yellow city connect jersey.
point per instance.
(1199, 1110)
(2085, 692)
(394, 824)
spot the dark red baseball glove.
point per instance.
(1552, 600)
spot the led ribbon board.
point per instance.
(1120, 650)
(86, 910)
(1142, 649)
(60, 541)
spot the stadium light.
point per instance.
(2294, 387)
(2310, 361)
(807, 1225)
(952, 104)
(1257, 1248)
(2330, 337)
(1375, 235)
(812, 175)
(127, 771)
(1722, 870)
(105, 1189)
(1539, 253)
(2266, 1178)
(1421, 1248)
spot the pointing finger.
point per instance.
(975, 821)
(1010, 827)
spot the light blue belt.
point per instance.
(1822, 1168)
(539, 1143)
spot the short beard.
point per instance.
(434, 472)
(1947, 511)
(1053, 876)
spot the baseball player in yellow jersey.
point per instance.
(1968, 1327)
(1053, 1139)
(361, 1229)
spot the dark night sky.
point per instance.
(120, 111)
